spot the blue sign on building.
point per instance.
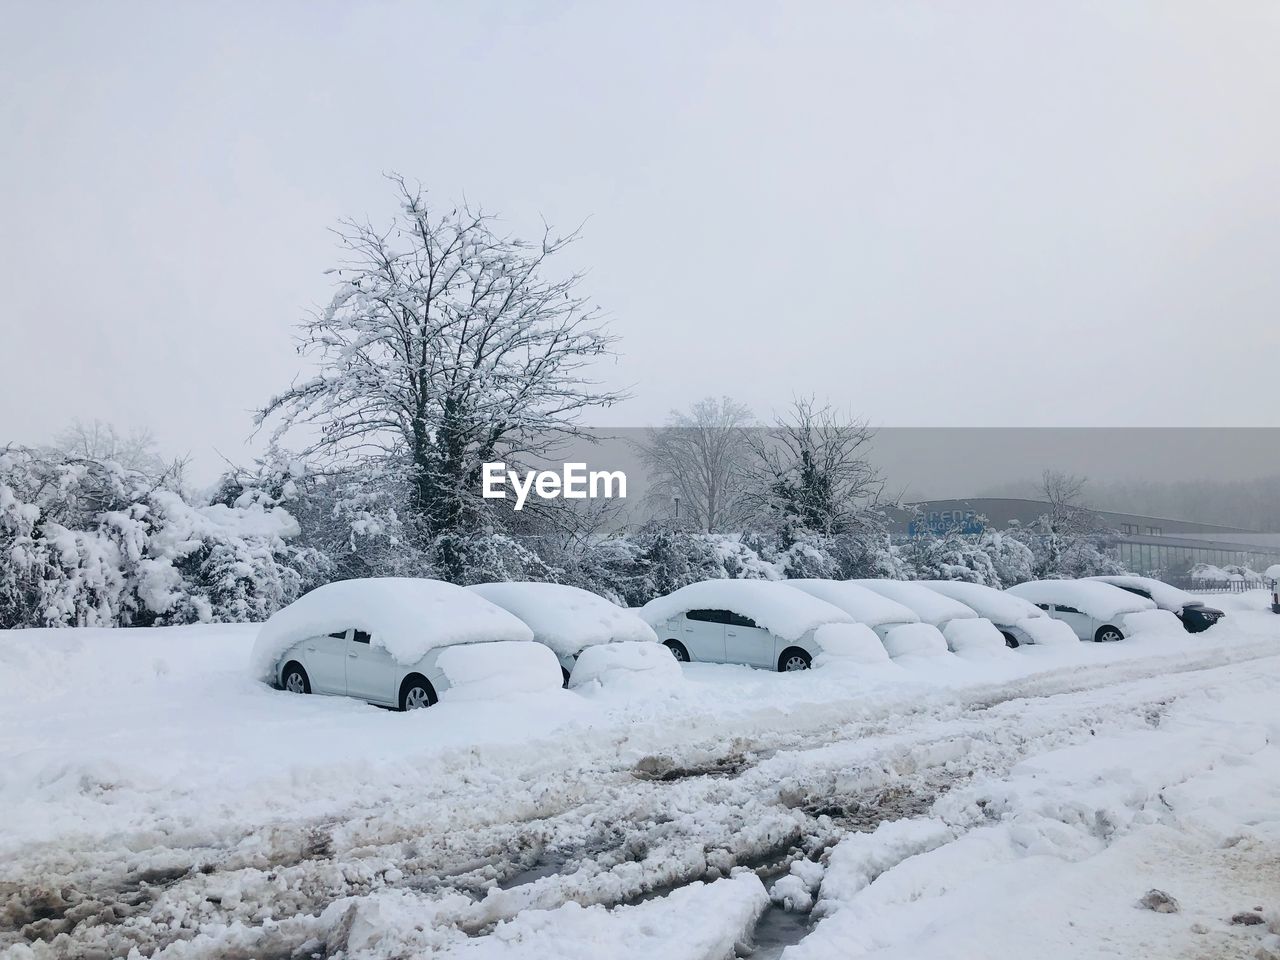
(940, 522)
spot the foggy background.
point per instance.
(989, 214)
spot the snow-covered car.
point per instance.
(399, 642)
(1019, 621)
(1094, 610)
(945, 613)
(865, 606)
(898, 627)
(1194, 614)
(759, 623)
(567, 619)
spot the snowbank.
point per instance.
(997, 606)
(865, 606)
(406, 616)
(848, 643)
(565, 618)
(1166, 596)
(628, 664)
(479, 671)
(1098, 600)
(978, 637)
(694, 922)
(931, 606)
(1150, 621)
(1047, 631)
(915, 640)
(782, 610)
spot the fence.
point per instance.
(1224, 586)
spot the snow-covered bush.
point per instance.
(88, 543)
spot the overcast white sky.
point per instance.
(935, 213)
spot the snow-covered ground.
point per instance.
(154, 797)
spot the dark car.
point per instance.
(1195, 616)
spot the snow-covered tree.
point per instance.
(949, 554)
(86, 542)
(811, 475)
(699, 461)
(446, 345)
(135, 450)
(1013, 561)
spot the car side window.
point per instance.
(1136, 591)
(738, 620)
(1062, 609)
(340, 635)
(708, 616)
(360, 637)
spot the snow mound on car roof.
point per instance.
(996, 605)
(565, 618)
(782, 610)
(406, 616)
(1166, 596)
(1101, 601)
(865, 606)
(931, 606)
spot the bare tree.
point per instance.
(444, 347)
(1067, 513)
(135, 450)
(699, 460)
(811, 471)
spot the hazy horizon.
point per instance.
(995, 215)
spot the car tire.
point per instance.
(417, 693)
(677, 650)
(565, 673)
(793, 659)
(1108, 634)
(1010, 640)
(294, 678)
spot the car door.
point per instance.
(325, 658)
(371, 671)
(745, 642)
(1081, 623)
(704, 634)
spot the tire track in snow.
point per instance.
(617, 838)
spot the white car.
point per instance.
(1019, 621)
(865, 606)
(759, 623)
(963, 628)
(898, 626)
(399, 642)
(567, 619)
(1094, 610)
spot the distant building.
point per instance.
(1143, 544)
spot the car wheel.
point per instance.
(565, 673)
(1010, 640)
(416, 693)
(793, 659)
(677, 650)
(1108, 634)
(294, 679)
